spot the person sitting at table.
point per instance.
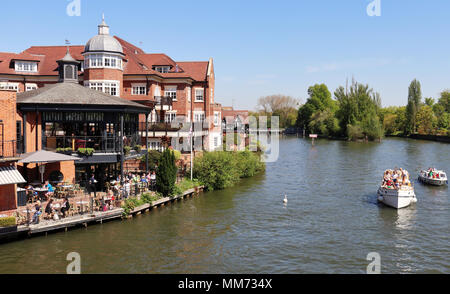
(37, 213)
(49, 209)
(65, 207)
(50, 189)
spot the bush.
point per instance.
(138, 148)
(153, 158)
(166, 174)
(126, 150)
(7, 221)
(220, 169)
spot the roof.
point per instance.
(10, 175)
(43, 156)
(73, 94)
(137, 61)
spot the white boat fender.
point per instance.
(285, 200)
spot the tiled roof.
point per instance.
(137, 61)
(73, 94)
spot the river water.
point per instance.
(331, 223)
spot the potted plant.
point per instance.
(126, 150)
(85, 151)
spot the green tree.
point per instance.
(445, 100)
(413, 106)
(166, 174)
(426, 120)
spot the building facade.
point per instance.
(179, 91)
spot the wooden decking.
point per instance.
(49, 226)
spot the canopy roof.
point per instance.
(10, 175)
(43, 156)
(67, 95)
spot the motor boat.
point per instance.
(396, 191)
(433, 177)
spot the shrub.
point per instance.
(248, 163)
(166, 174)
(126, 150)
(138, 148)
(217, 170)
(153, 158)
(7, 221)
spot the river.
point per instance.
(330, 224)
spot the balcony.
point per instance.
(8, 149)
(100, 144)
(163, 100)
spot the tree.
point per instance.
(429, 101)
(413, 106)
(285, 107)
(166, 174)
(319, 101)
(426, 120)
(358, 113)
(445, 100)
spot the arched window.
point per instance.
(69, 72)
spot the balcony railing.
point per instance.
(159, 127)
(8, 149)
(99, 144)
(163, 100)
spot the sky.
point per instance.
(262, 47)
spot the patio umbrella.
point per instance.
(43, 157)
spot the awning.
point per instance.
(43, 156)
(10, 175)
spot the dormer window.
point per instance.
(25, 66)
(162, 69)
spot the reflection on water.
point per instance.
(331, 222)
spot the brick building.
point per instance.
(9, 176)
(178, 91)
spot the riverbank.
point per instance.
(82, 221)
(444, 139)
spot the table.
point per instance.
(82, 203)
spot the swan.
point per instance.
(285, 200)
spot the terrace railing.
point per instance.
(8, 149)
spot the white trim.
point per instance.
(103, 86)
(140, 85)
(195, 94)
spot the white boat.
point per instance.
(397, 198)
(437, 177)
(396, 190)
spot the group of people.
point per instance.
(432, 173)
(32, 192)
(53, 210)
(395, 179)
(133, 180)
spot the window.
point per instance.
(102, 61)
(199, 116)
(139, 90)
(216, 118)
(107, 87)
(9, 86)
(155, 145)
(216, 142)
(171, 91)
(198, 95)
(30, 87)
(170, 117)
(162, 69)
(25, 66)
(211, 95)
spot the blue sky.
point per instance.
(262, 47)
